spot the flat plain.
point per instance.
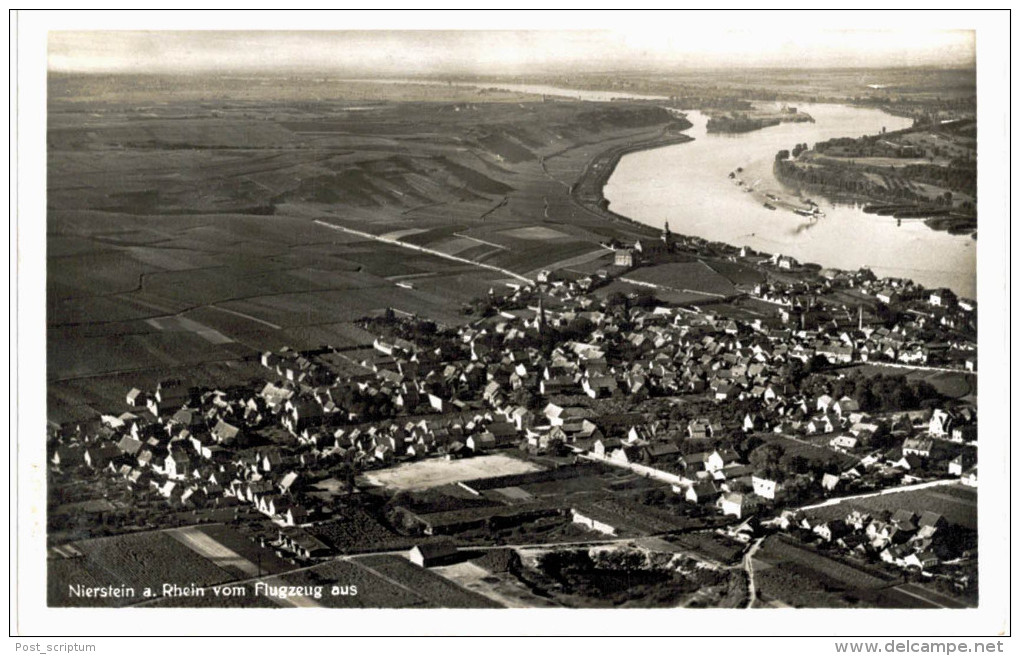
(189, 233)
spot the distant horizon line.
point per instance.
(398, 76)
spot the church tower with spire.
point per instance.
(541, 310)
(667, 237)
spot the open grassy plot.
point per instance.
(462, 286)
(951, 384)
(542, 254)
(685, 277)
(435, 472)
(738, 274)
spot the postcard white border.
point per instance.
(32, 617)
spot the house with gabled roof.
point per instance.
(431, 554)
(960, 464)
(177, 463)
(702, 492)
(135, 397)
(918, 446)
(940, 424)
(301, 542)
(843, 443)
(733, 504)
(661, 452)
(831, 482)
(764, 487)
(227, 434)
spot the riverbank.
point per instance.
(739, 122)
(588, 190)
(706, 209)
(954, 225)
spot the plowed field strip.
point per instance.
(213, 551)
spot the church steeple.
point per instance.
(667, 236)
(541, 310)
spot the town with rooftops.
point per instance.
(809, 440)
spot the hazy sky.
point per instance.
(496, 52)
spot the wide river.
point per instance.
(689, 186)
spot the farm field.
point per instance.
(86, 397)
(809, 450)
(502, 588)
(139, 561)
(709, 545)
(351, 530)
(956, 385)
(213, 551)
(229, 538)
(363, 588)
(801, 577)
(664, 295)
(957, 503)
(183, 239)
(435, 589)
(685, 277)
(435, 472)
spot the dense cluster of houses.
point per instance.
(902, 538)
(933, 327)
(494, 384)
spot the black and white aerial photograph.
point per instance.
(650, 313)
